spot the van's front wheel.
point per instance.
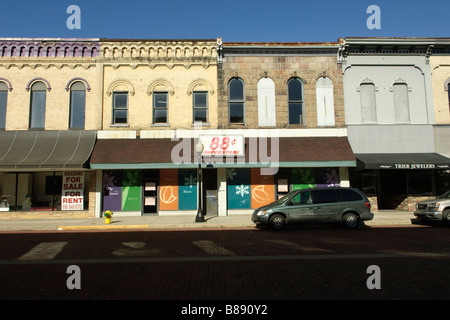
(277, 222)
(350, 221)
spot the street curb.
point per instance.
(102, 227)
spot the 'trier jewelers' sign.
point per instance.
(414, 166)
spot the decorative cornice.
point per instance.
(152, 53)
(56, 48)
(33, 65)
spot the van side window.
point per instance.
(302, 198)
(324, 196)
(348, 195)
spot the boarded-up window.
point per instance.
(325, 102)
(266, 103)
(368, 105)
(401, 105)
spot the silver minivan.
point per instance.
(346, 206)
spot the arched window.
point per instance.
(295, 101)
(37, 105)
(236, 102)
(3, 102)
(77, 105)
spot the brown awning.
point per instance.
(34, 150)
(156, 153)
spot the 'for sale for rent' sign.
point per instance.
(72, 190)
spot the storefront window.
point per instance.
(364, 181)
(122, 190)
(420, 183)
(442, 181)
(46, 191)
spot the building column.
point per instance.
(98, 193)
(344, 177)
(222, 192)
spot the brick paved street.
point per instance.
(241, 264)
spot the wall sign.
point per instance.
(414, 166)
(72, 190)
(222, 145)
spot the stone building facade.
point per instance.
(287, 97)
(279, 62)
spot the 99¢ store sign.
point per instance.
(72, 190)
(229, 145)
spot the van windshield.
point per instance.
(286, 197)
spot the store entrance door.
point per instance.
(150, 196)
(393, 189)
(210, 202)
(150, 192)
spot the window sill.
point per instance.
(200, 124)
(117, 125)
(296, 126)
(160, 125)
(237, 125)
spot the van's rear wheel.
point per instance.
(350, 221)
(277, 222)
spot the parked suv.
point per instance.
(346, 206)
(434, 209)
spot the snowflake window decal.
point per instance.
(242, 190)
(190, 181)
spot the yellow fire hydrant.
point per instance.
(108, 215)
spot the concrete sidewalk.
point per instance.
(384, 217)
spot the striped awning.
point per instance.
(37, 150)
